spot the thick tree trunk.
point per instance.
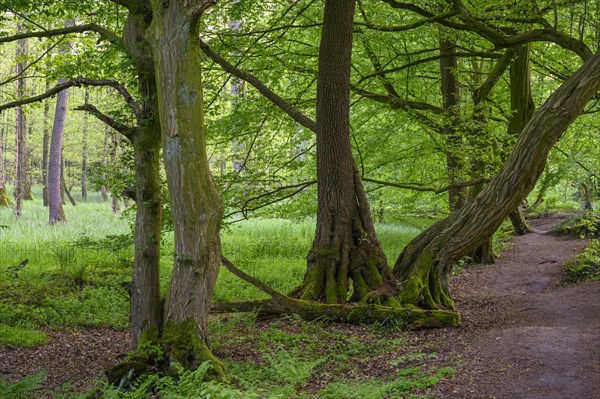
(424, 265)
(146, 308)
(56, 212)
(451, 103)
(84, 152)
(45, 148)
(345, 247)
(195, 202)
(522, 107)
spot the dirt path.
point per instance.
(523, 335)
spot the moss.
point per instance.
(4, 197)
(183, 345)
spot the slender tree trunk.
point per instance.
(116, 145)
(522, 107)
(195, 202)
(21, 128)
(45, 148)
(103, 189)
(27, 192)
(4, 197)
(84, 152)
(424, 265)
(345, 247)
(451, 103)
(63, 182)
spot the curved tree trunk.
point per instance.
(424, 265)
(345, 247)
(195, 202)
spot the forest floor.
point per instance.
(524, 334)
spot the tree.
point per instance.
(56, 212)
(20, 129)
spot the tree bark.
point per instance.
(103, 189)
(345, 247)
(20, 128)
(84, 152)
(114, 197)
(146, 309)
(522, 108)
(56, 212)
(195, 202)
(45, 147)
(4, 197)
(424, 265)
(451, 102)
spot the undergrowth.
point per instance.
(585, 266)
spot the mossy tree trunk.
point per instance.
(345, 248)
(195, 202)
(146, 308)
(424, 265)
(522, 108)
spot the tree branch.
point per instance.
(78, 82)
(105, 33)
(125, 130)
(418, 187)
(258, 284)
(261, 87)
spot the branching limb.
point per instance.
(436, 190)
(103, 32)
(125, 130)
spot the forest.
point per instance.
(299, 199)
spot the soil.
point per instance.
(523, 334)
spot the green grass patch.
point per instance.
(15, 336)
(585, 266)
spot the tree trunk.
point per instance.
(4, 197)
(56, 211)
(424, 265)
(451, 103)
(116, 145)
(45, 147)
(146, 308)
(522, 108)
(63, 182)
(345, 246)
(195, 202)
(27, 192)
(84, 152)
(20, 127)
(103, 189)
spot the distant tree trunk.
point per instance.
(522, 107)
(4, 197)
(63, 182)
(195, 202)
(116, 145)
(103, 189)
(451, 102)
(20, 127)
(27, 192)
(425, 264)
(84, 151)
(45, 148)
(345, 246)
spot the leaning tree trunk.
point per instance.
(146, 309)
(424, 265)
(195, 202)
(345, 247)
(522, 108)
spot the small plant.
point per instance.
(585, 266)
(585, 225)
(23, 389)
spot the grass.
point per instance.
(74, 279)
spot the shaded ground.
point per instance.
(523, 335)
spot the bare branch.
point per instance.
(125, 130)
(418, 187)
(261, 87)
(78, 82)
(105, 33)
(258, 284)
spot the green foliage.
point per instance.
(15, 336)
(583, 225)
(23, 389)
(585, 266)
